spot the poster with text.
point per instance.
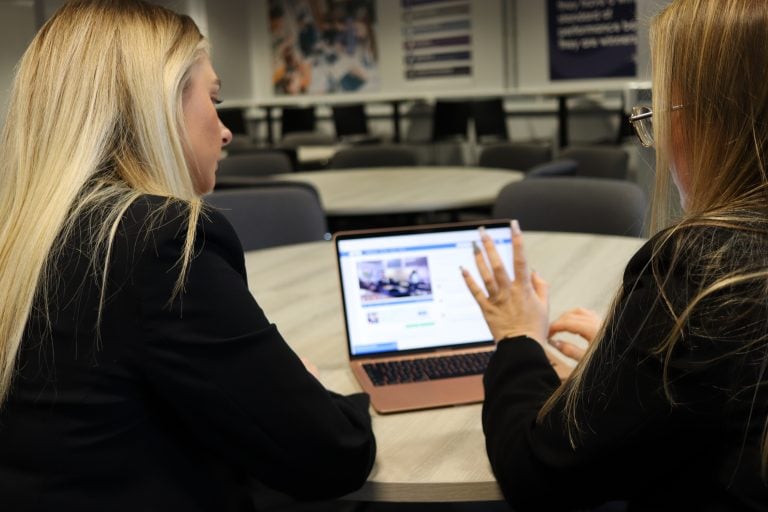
(437, 38)
(592, 39)
(323, 46)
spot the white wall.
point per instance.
(17, 28)
(509, 46)
(488, 47)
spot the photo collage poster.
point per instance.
(437, 38)
(323, 46)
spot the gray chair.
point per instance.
(585, 205)
(374, 156)
(560, 167)
(517, 156)
(599, 161)
(295, 139)
(255, 164)
(277, 213)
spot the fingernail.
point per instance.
(462, 269)
(515, 227)
(475, 247)
(556, 343)
(483, 233)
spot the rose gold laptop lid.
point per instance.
(403, 297)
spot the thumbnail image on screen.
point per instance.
(389, 279)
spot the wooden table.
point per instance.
(435, 455)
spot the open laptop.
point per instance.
(404, 298)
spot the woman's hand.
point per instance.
(511, 307)
(311, 367)
(584, 322)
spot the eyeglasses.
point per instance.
(641, 122)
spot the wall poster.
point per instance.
(437, 38)
(323, 46)
(592, 39)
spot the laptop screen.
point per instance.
(403, 290)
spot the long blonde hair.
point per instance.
(711, 58)
(94, 121)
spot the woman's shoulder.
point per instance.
(161, 217)
(702, 250)
(159, 227)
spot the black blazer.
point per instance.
(168, 405)
(702, 454)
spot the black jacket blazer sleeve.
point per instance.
(137, 395)
(634, 444)
(227, 374)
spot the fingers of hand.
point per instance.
(474, 289)
(540, 286)
(485, 273)
(518, 255)
(497, 265)
(569, 349)
(579, 321)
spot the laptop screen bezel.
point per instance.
(418, 229)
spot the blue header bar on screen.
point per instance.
(366, 252)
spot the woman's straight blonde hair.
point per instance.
(710, 57)
(94, 121)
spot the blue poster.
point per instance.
(592, 39)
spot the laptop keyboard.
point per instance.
(427, 368)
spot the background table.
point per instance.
(433, 455)
(373, 191)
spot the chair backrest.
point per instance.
(599, 161)
(517, 156)
(560, 167)
(419, 122)
(297, 119)
(450, 120)
(586, 205)
(350, 120)
(296, 139)
(490, 120)
(255, 164)
(278, 213)
(384, 155)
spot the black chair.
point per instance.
(234, 119)
(278, 213)
(490, 120)
(585, 205)
(255, 164)
(374, 156)
(517, 156)
(351, 124)
(450, 120)
(599, 161)
(297, 119)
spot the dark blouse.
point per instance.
(168, 405)
(701, 453)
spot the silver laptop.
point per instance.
(415, 336)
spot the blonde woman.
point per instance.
(668, 408)
(137, 371)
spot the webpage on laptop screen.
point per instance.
(406, 292)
